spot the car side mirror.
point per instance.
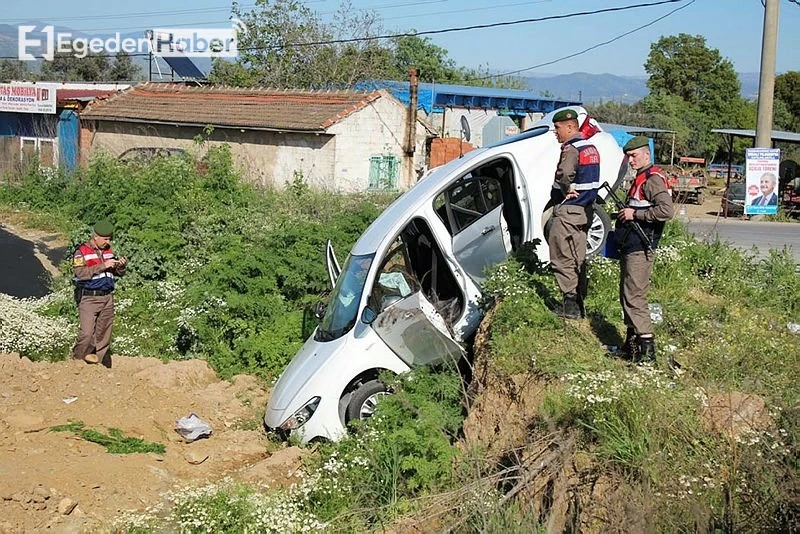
(319, 310)
(368, 316)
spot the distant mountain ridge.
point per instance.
(583, 86)
(596, 88)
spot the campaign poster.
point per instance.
(28, 97)
(761, 179)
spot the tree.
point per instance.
(787, 91)
(14, 70)
(287, 45)
(66, 67)
(430, 60)
(124, 69)
(683, 65)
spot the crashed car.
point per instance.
(408, 293)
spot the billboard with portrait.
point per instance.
(761, 172)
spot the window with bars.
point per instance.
(383, 171)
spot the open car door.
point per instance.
(416, 332)
(405, 305)
(332, 264)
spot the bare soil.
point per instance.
(59, 482)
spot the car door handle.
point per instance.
(488, 229)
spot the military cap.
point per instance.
(565, 115)
(103, 229)
(637, 142)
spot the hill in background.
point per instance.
(596, 88)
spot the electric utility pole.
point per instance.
(766, 84)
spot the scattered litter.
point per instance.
(794, 328)
(70, 400)
(656, 313)
(670, 348)
(192, 427)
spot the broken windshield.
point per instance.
(342, 310)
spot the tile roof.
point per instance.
(259, 108)
(81, 95)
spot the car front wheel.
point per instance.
(364, 400)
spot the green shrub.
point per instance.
(218, 269)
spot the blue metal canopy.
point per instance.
(435, 97)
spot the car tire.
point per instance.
(598, 230)
(364, 399)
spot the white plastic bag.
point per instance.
(192, 428)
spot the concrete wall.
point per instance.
(378, 129)
(263, 158)
(478, 118)
(338, 160)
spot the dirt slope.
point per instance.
(42, 473)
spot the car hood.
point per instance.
(303, 368)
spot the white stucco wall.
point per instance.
(377, 129)
(338, 160)
(263, 158)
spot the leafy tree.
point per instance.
(286, 44)
(14, 70)
(66, 67)
(124, 69)
(619, 113)
(430, 60)
(684, 66)
(787, 91)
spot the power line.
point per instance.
(468, 28)
(459, 29)
(585, 50)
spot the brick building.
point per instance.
(339, 140)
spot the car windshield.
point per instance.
(342, 310)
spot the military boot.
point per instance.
(630, 348)
(570, 309)
(647, 350)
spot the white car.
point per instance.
(407, 295)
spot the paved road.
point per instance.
(21, 274)
(746, 234)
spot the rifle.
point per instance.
(633, 224)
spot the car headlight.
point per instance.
(301, 416)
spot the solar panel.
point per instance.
(183, 67)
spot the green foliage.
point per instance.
(403, 452)
(115, 442)
(275, 51)
(683, 66)
(218, 270)
(726, 318)
(11, 69)
(224, 507)
(787, 92)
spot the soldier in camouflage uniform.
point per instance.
(649, 203)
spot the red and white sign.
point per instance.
(28, 97)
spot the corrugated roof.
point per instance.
(777, 135)
(433, 97)
(259, 108)
(82, 94)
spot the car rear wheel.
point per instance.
(364, 400)
(598, 230)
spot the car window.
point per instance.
(394, 281)
(467, 201)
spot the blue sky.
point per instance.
(732, 26)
